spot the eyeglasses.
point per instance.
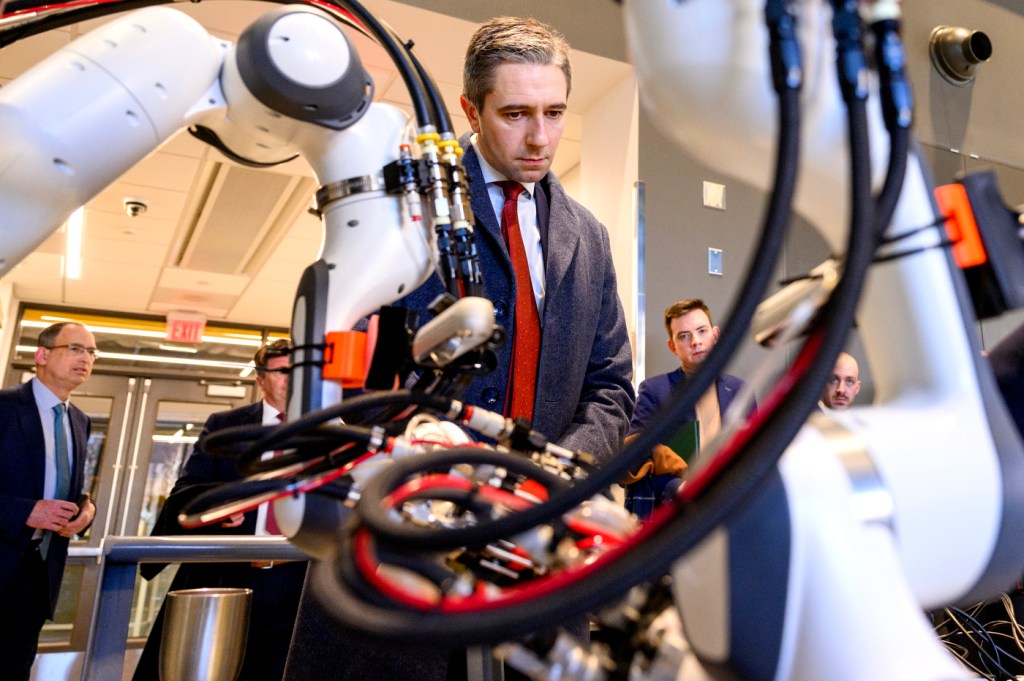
(76, 349)
(281, 370)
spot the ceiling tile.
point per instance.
(162, 204)
(126, 286)
(18, 57)
(39, 277)
(163, 170)
(101, 250)
(283, 272)
(202, 282)
(142, 229)
(265, 302)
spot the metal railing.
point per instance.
(119, 558)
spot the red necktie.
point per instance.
(272, 527)
(526, 337)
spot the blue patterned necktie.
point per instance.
(60, 449)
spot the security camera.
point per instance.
(135, 207)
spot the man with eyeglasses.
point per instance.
(43, 440)
(842, 388)
(276, 585)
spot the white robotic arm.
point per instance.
(293, 85)
(78, 120)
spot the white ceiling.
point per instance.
(186, 252)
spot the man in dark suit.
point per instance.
(43, 441)
(276, 586)
(516, 84)
(691, 335)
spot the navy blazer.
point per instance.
(656, 391)
(203, 471)
(22, 477)
(584, 394)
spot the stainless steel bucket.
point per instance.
(204, 634)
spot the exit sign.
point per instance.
(185, 328)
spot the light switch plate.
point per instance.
(714, 195)
(715, 261)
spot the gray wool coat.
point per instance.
(584, 385)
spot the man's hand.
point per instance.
(663, 461)
(667, 461)
(234, 521)
(52, 514)
(86, 512)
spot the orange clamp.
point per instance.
(962, 229)
(345, 360)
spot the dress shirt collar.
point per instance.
(491, 175)
(45, 399)
(270, 413)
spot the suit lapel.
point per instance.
(562, 238)
(725, 394)
(80, 447)
(32, 429)
(487, 224)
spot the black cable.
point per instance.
(444, 120)
(378, 517)
(279, 435)
(49, 19)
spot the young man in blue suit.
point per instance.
(691, 335)
(276, 586)
(43, 444)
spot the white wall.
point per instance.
(608, 172)
(8, 321)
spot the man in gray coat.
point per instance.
(516, 82)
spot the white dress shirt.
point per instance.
(45, 402)
(528, 224)
(270, 413)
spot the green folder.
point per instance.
(685, 442)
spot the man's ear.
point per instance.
(715, 331)
(472, 113)
(671, 346)
(41, 356)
